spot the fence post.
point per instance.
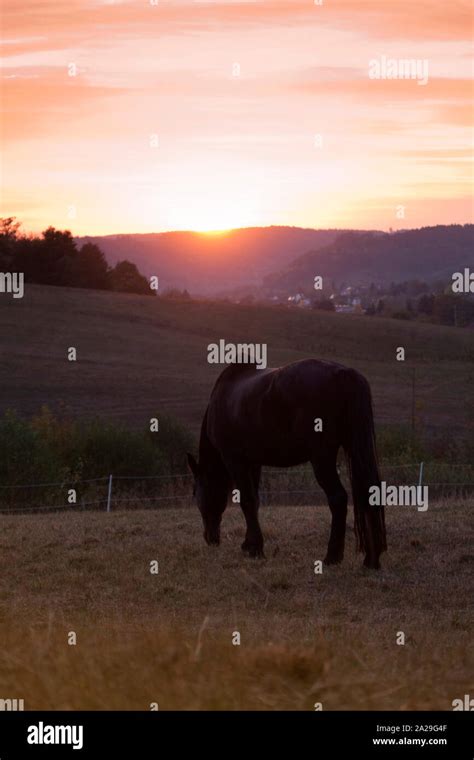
(109, 495)
(420, 477)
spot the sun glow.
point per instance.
(209, 196)
(215, 214)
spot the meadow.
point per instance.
(305, 638)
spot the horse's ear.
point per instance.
(193, 465)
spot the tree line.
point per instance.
(54, 258)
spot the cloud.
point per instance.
(43, 101)
(455, 114)
(357, 85)
(71, 20)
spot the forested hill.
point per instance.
(209, 263)
(429, 254)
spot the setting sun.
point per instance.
(213, 199)
(211, 216)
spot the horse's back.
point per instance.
(308, 376)
(297, 381)
(270, 414)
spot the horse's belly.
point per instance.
(284, 461)
(277, 453)
(267, 435)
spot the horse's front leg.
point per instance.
(253, 544)
(247, 481)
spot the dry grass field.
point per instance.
(167, 637)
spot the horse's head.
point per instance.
(211, 494)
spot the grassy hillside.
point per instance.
(137, 357)
(167, 638)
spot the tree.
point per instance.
(126, 278)
(55, 259)
(174, 294)
(8, 239)
(87, 269)
(57, 250)
(323, 304)
(451, 309)
(426, 304)
(28, 256)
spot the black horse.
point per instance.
(259, 417)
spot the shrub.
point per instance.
(47, 449)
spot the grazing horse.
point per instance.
(257, 417)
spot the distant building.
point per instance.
(299, 300)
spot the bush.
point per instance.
(401, 315)
(26, 456)
(398, 445)
(46, 449)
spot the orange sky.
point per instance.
(234, 150)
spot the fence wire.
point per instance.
(293, 487)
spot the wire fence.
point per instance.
(278, 487)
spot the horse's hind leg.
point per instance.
(328, 478)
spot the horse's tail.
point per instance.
(361, 452)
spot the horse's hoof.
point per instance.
(371, 564)
(212, 539)
(333, 559)
(253, 551)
